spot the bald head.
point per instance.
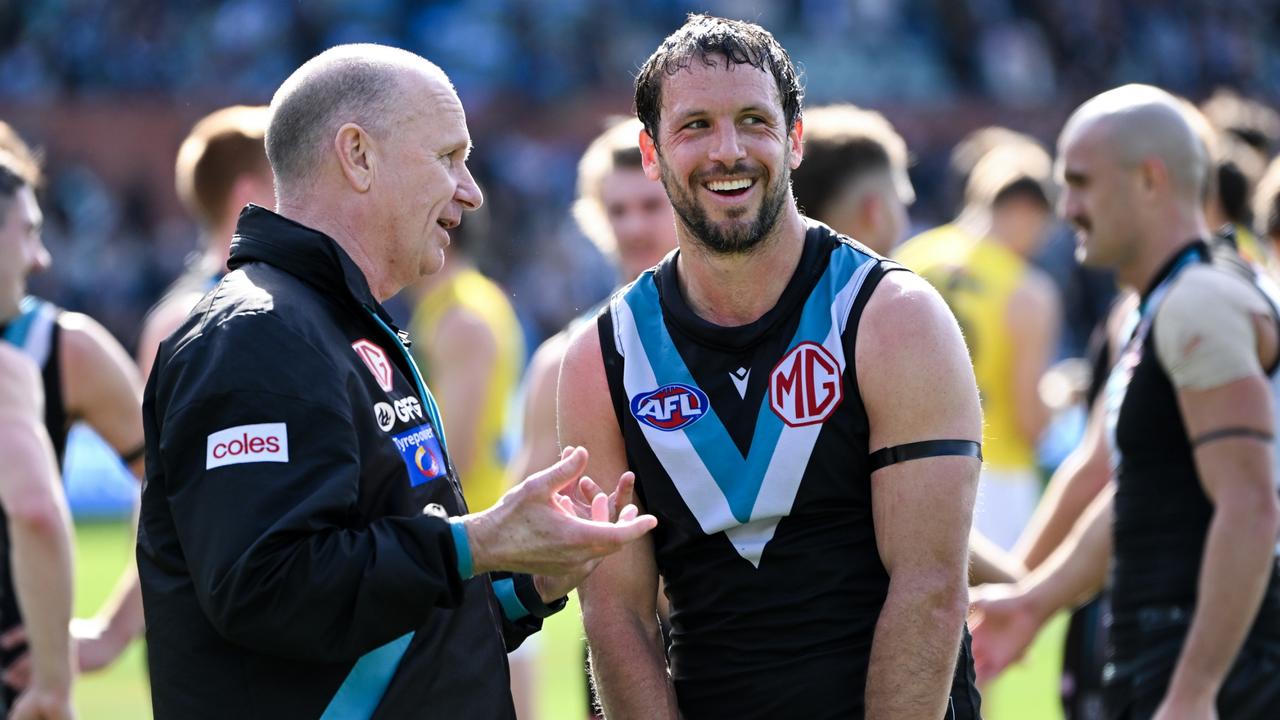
(358, 84)
(1140, 122)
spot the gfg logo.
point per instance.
(408, 408)
(670, 407)
(805, 387)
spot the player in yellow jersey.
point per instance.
(468, 342)
(1009, 311)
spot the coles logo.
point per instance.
(376, 359)
(670, 407)
(263, 442)
(805, 386)
(420, 449)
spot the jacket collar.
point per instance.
(264, 236)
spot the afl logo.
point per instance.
(670, 407)
(805, 387)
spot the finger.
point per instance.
(13, 637)
(628, 513)
(566, 504)
(552, 479)
(600, 507)
(588, 487)
(566, 451)
(18, 674)
(623, 494)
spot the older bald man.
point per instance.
(305, 549)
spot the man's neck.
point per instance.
(734, 290)
(343, 228)
(1160, 247)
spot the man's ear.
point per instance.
(649, 156)
(796, 138)
(1153, 174)
(355, 153)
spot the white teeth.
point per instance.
(728, 185)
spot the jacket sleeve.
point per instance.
(262, 471)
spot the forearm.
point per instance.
(913, 655)
(1076, 483)
(628, 666)
(41, 558)
(1077, 569)
(1234, 573)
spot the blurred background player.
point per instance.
(1266, 211)
(39, 550)
(629, 218)
(854, 175)
(468, 343)
(221, 167)
(86, 376)
(1246, 135)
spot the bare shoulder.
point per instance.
(582, 395)
(21, 391)
(912, 366)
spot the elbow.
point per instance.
(38, 514)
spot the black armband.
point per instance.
(884, 457)
(134, 454)
(1233, 432)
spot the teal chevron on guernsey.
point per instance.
(744, 497)
(360, 693)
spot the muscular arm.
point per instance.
(104, 390)
(1032, 317)
(1238, 553)
(923, 389)
(627, 659)
(39, 527)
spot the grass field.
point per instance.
(119, 692)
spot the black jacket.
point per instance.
(294, 558)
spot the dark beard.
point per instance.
(736, 239)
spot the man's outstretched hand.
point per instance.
(538, 529)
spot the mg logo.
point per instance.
(376, 360)
(805, 387)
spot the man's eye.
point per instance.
(696, 125)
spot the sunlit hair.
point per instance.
(843, 144)
(222, 147)
(617, 148)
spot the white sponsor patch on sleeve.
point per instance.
(263, 442)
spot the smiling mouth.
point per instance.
(730, 188)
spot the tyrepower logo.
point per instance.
(670, 407)
(805, 387)
(376, 359)
(264, 442)
(420, 449)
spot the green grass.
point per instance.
(119, 692)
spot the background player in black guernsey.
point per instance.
(802, 420)
(1190, 522)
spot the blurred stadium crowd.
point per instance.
(108, 89)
